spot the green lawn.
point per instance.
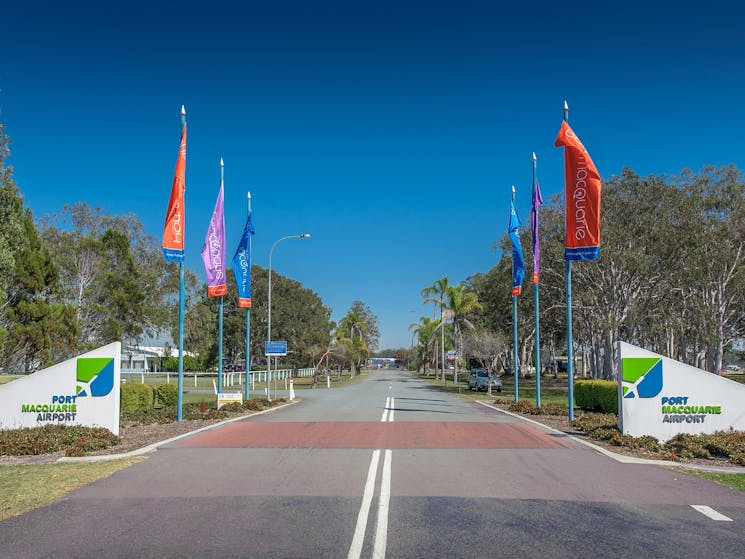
(552, 390)
(8, 378)
(30, 486)
(731, 480)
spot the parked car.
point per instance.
(478, 380)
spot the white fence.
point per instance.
(202, 379)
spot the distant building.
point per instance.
(144, 359)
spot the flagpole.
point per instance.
(570, 357)
(248, 310)
(219, 311)
(514, 322)
(180, 389)
(535, 292)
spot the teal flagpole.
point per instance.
(536, 297)
(514, 325)
(570, 357)
(219, 311)
(248, 310)
(180, 401)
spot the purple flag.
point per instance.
(213, 250)
(537, 203)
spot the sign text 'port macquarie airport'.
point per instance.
(83, 390)
(662, 397)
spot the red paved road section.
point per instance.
(376, 435)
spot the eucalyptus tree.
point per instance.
(112, 272)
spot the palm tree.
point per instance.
(459, 303)
(435, 294)
(425, 330)
(355, 348)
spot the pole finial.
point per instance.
(248, 195)
(222, 163)
(183, 110)
(534, 157)
(566, 105)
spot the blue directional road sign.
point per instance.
(275, 348)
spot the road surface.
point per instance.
(387, 467)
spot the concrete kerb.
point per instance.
(621, 457)
(153, 447)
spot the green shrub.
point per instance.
(148, 417)
(596, 395)
(554, 409)
(167, 394)
(75, 440)
(136, 396)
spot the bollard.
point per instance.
(328, 381)
(292, 391)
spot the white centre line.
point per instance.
(711, 513)
(391, 409)
(359, 532)
(381, 526)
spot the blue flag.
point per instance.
(518, 262)
(242, 265)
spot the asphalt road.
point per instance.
(388, 467)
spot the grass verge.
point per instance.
(736, 481)
(29, 486)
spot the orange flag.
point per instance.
(582, 191)
(173, 230)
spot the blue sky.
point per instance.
(391, 131)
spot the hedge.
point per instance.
(167, 394)
(596, 395)
(136, 396)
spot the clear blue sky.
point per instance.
(391, 131)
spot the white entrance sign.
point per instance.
(662, 397)
(83, 390)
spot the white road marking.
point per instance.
(711, 513)
(359, 532)
(381, 527)
(391, 409)
(381, 524)
(385, 410)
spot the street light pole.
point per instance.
(269, 310)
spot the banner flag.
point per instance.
(173, 230)
(518, 262)
(213, 250)
(582, 192)
(242, 266)
(537, 203)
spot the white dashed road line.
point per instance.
(711, 513)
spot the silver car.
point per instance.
(478, 380)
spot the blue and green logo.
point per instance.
(642, 376)
(95, 376)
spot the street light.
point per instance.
(269, 310)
